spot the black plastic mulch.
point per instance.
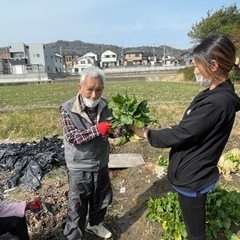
(30, 161)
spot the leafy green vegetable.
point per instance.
(167, 212)
(221, 214)
(162, 161)
(127, 110)
(230, 161)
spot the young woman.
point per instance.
(197, 142)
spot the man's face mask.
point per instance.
(90, 103)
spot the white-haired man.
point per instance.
(85, 135)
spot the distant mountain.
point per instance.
(80, 48)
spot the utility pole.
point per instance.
(122, 57)
(164, 52)
(153, 55)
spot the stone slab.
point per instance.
(125, 160)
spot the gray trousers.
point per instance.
(89, 193)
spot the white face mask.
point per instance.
(202, 81)
(90, 103)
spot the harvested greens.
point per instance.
(127, 110)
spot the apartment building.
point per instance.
(34, 58)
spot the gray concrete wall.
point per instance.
(30, 77)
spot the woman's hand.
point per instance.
(141, 132)
(34, 206)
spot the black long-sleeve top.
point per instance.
(198, 141)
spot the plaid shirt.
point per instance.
(74, 135)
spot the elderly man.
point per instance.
(85, 134)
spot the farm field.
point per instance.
(30, 112)
(33, 108)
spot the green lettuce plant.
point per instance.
(127, 110)
(221, 214)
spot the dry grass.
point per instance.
(31, 112)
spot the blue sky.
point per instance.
(125, 23)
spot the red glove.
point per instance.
(104, 128)
(34, 206)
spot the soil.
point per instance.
(133, 187)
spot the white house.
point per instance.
(109, 59)
(83, 62)
(92, 55)
(170, 61)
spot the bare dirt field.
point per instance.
(133, 187)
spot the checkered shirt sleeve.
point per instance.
(74, 135)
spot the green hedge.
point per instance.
(187, 73)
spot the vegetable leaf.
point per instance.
(127, 110)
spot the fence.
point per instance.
(21, 78)
(142, 69)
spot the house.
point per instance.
(136, 57)
(169, 61)
(187, 58)
(5, 67)
(69, 63)
(92, 55)
(132, 58)
(149, 59)
(109, 59)
(59, 63)
(83, 62)
(34, 58)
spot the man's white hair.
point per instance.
(92, 71)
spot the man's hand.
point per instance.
(34, 206)
(104, 128)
